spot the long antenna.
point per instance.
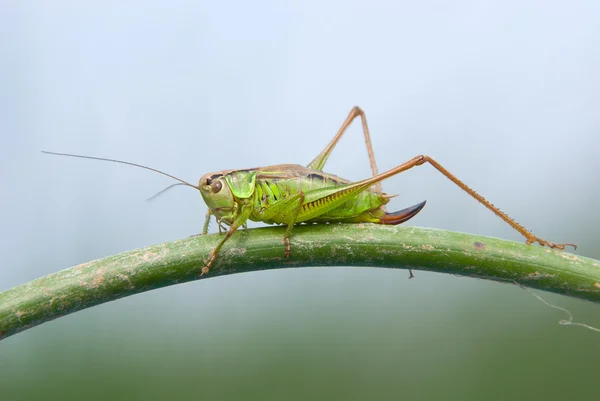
(164, 190)
(123, 162)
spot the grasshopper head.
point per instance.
(217, 194)
(224, 190)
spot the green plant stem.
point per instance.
(156, 266)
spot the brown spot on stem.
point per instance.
(98, 279)
(479, 245)
(537, 275)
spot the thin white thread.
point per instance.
(568, 322)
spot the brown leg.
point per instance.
(237, 223)
(319, 162)
(212, 256)
(421, 159)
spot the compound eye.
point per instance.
(216, 186)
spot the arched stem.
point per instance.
(371, 245)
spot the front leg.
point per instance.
(237, 223)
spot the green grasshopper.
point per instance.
(291, 194)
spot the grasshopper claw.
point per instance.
(288, 247)
(549, 244)
(206, 268)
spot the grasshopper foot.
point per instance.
(288, 247)
(549, 244)
(211, 259)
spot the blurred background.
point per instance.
(505, 94)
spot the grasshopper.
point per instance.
(291, 194)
